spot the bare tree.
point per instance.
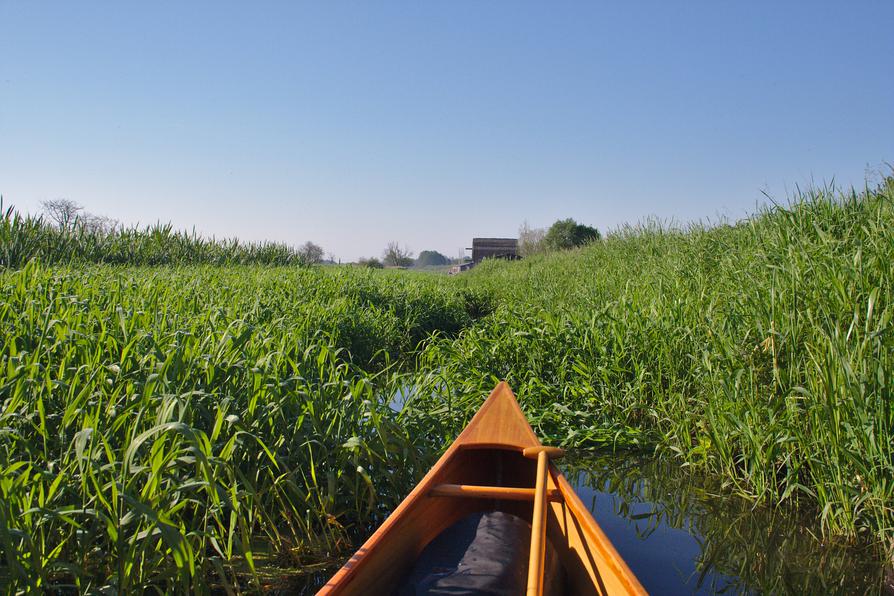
(395, 256)
(68, 214)
(97, 223)
(63, 212)
(310, 252)
(530, 240)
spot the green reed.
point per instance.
(192, 427)
(162, 427)
(26, 237)
(761, 350)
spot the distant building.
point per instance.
(494, 248)
(461, 267)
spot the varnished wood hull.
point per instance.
(488, 452)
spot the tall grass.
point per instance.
(25, 237)
(169, 428)
(166, 428)
(761, 351)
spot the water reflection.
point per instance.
(682, 534)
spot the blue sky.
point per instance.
(353, 124)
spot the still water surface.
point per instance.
(681, 533)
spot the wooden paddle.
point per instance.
(537, 557)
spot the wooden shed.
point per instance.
(494, 248)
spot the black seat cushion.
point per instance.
(482, 554)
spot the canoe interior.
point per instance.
(383, 568)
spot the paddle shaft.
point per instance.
(538, 529)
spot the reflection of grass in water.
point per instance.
(757, 548)
(279, 579)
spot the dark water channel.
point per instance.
(681, 533)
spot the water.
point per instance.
(681, 533)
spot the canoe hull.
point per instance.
(487, 453)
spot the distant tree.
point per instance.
(395, 256)
(530, 240)
(97, 223)
(68, 214)
(63, 212)
(567, 233)
(371, 262)
(310, 252)
(431, 258)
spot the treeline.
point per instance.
(71, 236)
(396, 256)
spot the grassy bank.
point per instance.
(171, 427)
(761, 351)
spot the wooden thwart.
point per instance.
(490, 492)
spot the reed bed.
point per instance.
(167, 428)
(761, 351)
(24, 237)
(187, 426)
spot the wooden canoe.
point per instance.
(484, 470)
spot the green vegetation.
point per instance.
(431, 258)
(170, 427)
(184, 427)
(25, 237)
(370, 263)
(761, 351)
(567, 233)
(564, 234)
(395, 256)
